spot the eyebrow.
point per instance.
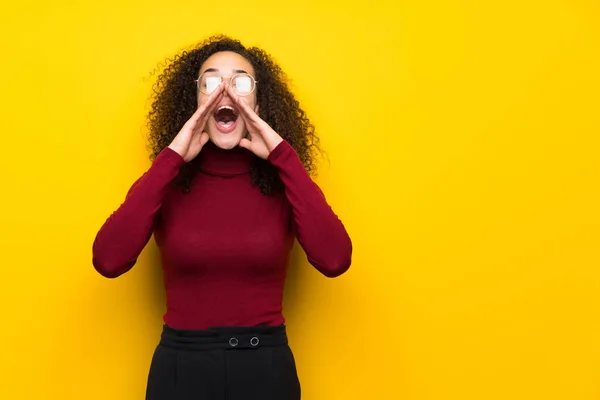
(237, 71)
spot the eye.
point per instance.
(243, 84)
(211, 83)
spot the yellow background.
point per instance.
(462, 145)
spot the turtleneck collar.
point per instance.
(216, 161)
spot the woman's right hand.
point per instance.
(191, 138)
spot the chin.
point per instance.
(226, 141)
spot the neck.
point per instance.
(216, 161)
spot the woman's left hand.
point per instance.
(263, 139)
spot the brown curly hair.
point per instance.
(174, 101)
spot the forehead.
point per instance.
(227, 62)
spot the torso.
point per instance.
(224, 248)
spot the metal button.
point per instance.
(254, 341)
(233, 342)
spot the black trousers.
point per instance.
(236, 363)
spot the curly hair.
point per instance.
(174, 101)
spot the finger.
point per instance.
(213, 100)
(198, 119)
(242, 105)
(202, 119)
(214, 103)
(245, 143)
(204, 138)
(251, 124)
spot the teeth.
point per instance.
(226, 108)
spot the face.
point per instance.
(225, 126)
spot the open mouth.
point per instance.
(226, 118)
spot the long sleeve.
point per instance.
(126, 232)
(318, 229)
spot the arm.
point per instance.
(318, 229)
(126, 232)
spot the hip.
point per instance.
(225, 363)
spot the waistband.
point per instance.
(224, 337)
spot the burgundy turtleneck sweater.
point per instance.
(224, 246)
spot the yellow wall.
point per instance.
(463, 141)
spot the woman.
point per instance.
(226, 194)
